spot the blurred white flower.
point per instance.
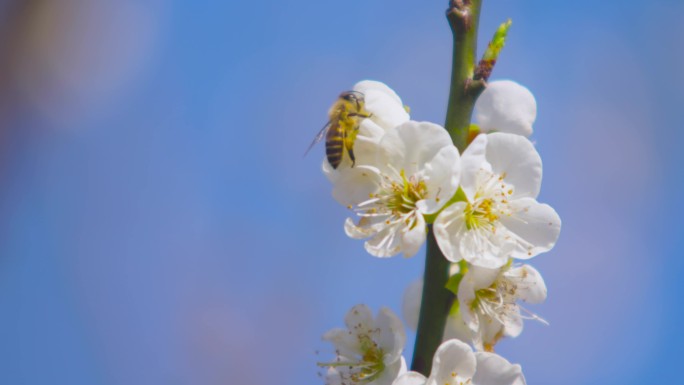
(501, 219)
(410, 307)
(488, 301)
(75, 58)
(455, 326)
(387, 112)
(455, 363)
(506, 106)
(369, 351)
(415, 172)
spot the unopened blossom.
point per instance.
(455, 363)
(368, 351)
(489, 298)
(387, 111)
(500, 217)
(415, 172)
(385, 105)
(506, 106)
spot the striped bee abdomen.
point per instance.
(334, 144)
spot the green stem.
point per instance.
(434, 308)
(463, 16)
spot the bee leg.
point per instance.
(350, 151)
(361, 115)
(349, 138)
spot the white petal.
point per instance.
(369, 86)
(392, 337)
(512, 321)
(530, 284)
(359, 319)
(402, 367)
(466, 296)
(472, 162)
(493, 369)
(477, 278)
(386, 242)
(412, 238)
(481, 277)
(333, 377)
(390, 373)
(515, 157)
(345, 344)
(535, 227)
(410, 308)
(385, 105)
(410, 378)
(456, 328)
(409, 146)
(365, 146)
(452, 359)
(361, 231)
(449, 228)
(355, 185)
(442, 176)
(506, 106)
(369, 131)
(329, 171)
(489, 333)
(485, 248)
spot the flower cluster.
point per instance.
(455, 364)
(483, 201)
(369, 351)
(483, 209)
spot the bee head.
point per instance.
(352, 96)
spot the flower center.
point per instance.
(396, 199)
(494, 301)
(489, 203)
(363, 368)
(481, 213)
(401, 197)
(371, 364)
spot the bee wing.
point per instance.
(318, 137)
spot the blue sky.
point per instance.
(159, 225)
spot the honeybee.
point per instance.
(340, 132)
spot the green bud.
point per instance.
(498, 41)
(486, 65)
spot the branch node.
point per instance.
(475, 86)
(459, 14)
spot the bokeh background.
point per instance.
(159, 225)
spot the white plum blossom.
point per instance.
(385, 105)
(500, 218)
(488, 301)
(387, 111)
(455, 363)
(415, 172)
(369, 350)
(506, 106)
